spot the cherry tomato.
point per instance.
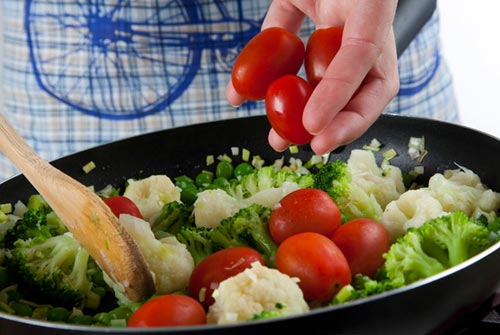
(169, 310)
(285, 102)
(218, 266)
(363, 242)
(322, 46)
(122, 205)
(269, 55)
(307, 209)
(318, 263)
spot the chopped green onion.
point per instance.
(416, 148)
(89, 167)
(344, 294)
(389, 154)
(210, 160)
(293, 149)
(225, 157)
(315, 160)
(374, 145)
(245, 155)
(6, 208)
(235, 151)
(278, 163)
(419, 169)
(3, 217)
(416, 171)
(257, 162)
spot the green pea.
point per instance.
(242, 169)
(224, 169)
(58, 314)
(189, 194)
(183, 181)
(204, 179)
(220, 182)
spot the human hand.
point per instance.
(359, 82)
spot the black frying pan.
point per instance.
(444, 302)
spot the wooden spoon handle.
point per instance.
(85, 215)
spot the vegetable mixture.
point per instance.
(245, 240)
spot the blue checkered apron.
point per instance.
(76, 75)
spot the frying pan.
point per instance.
(444, 302)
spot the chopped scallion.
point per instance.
(89, 167)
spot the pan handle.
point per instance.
(411, 16)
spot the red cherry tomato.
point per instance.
(169, 310)
(363, 242)
(218, 266)
(269, 55)
(318, 263)
(122, 205)
(285, 102)
(322, 46)
(307, 209)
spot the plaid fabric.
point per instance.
(426, 86)
(77, 75)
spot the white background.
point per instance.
(471, 44)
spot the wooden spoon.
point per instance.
(85, 215)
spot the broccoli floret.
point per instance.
(57, 270)
(334, 178)
(359, 187)
(265, 178)
(454, 238)
(421, 252)
(38, 221)
(437, 245)
(33, 224)
(407, 262)
(197, 240)
(173, 217)
(248, 227)
(363, 286)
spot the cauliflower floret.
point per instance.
(384, 184)
(461, 189)
(212, 206)
(151, 193)
(253, 291)
(168, 259)
(412, 209)
(271, 196)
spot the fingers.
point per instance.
(283, 13)
(366, 31)
(232, 96)
(370, 100)
(359, 82)
(276, 142)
